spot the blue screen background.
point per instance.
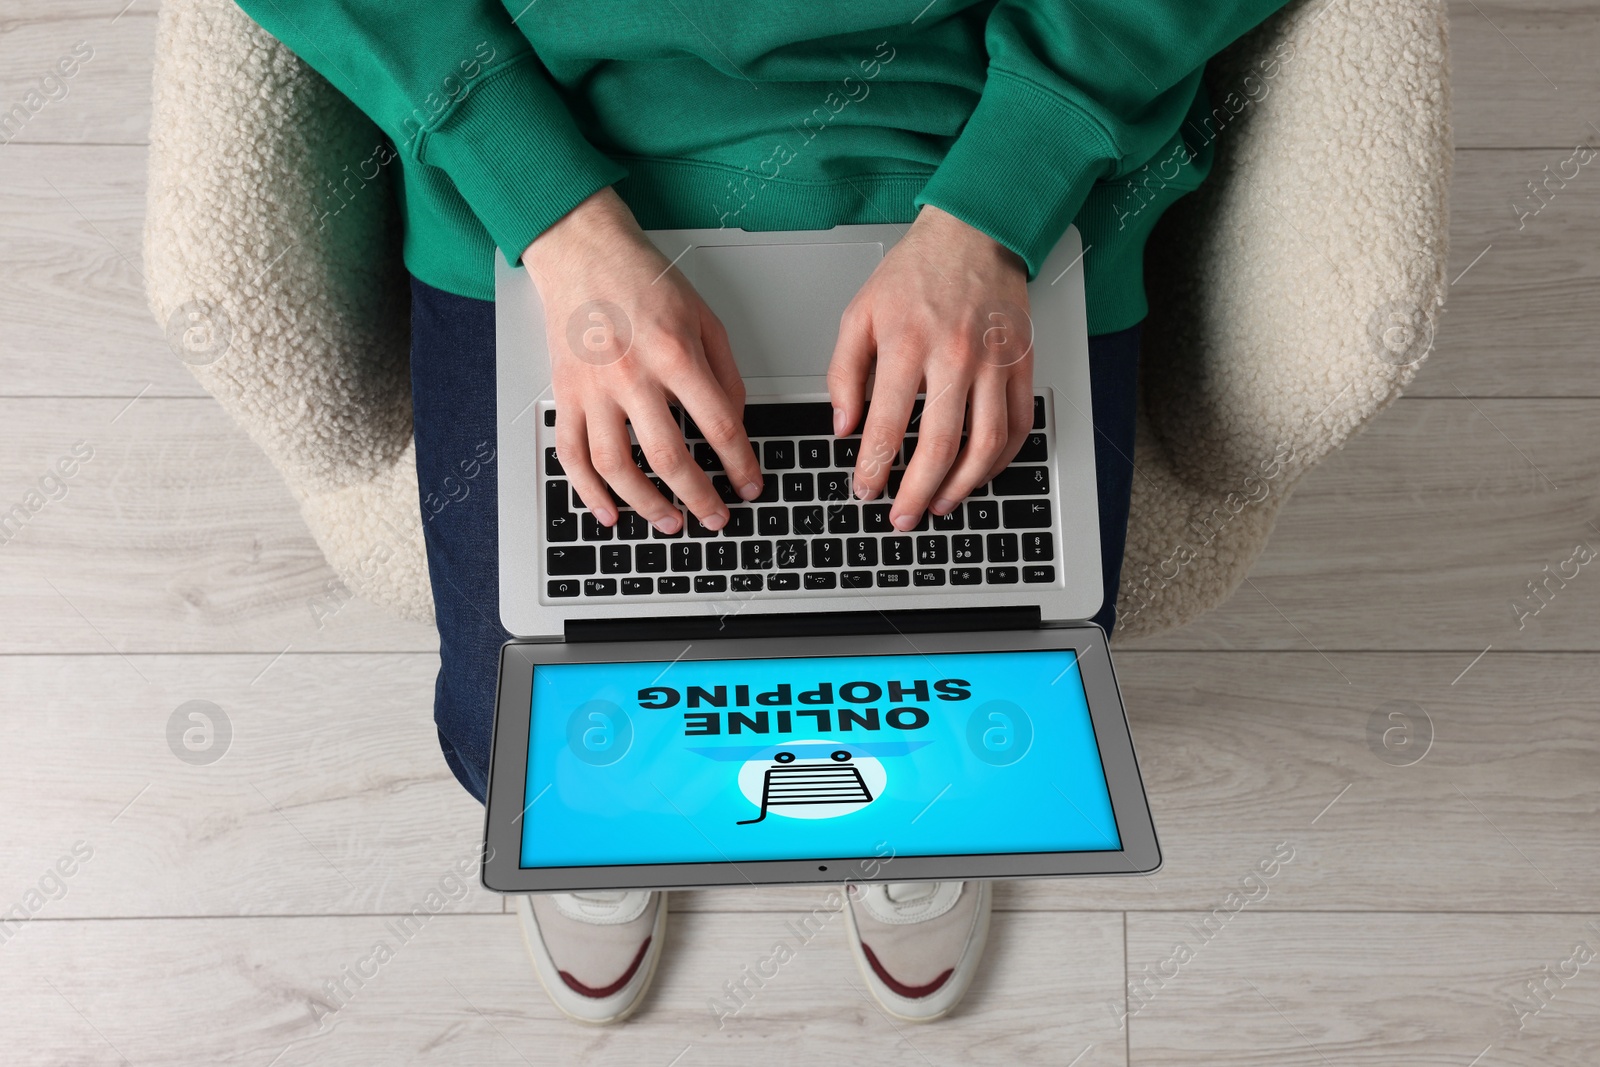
(1012, 768)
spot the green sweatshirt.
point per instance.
(1016, 116)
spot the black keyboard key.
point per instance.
(933, 549)
(697, 528)
(662, 488)
(798, 488)
(725, 489)
(949, 522)
(550, 417)
(966, 576)
(827, 552)
(966, 548)
(875, 518)
(706, 457)
(560, 523)
(927, 577)
(569, 559)
(807, 419)
(1036, 449)
(552, 465)
(616, 559)
(1038, 546)
(672, 583)
(593, 531)
(722, 555)
(855, 580)
(639, 459)
(777, 456)
(1003, 548)
(897, 551)
(769, 489)
(1039, 574)
(1021, 481)
(631, 526)
(835, 485)
(783, 583)
(746, 583)
(809, 521)
(690, 430)
(892, 489)
(792, 555)
(563, 587)
(845, 450)
(894, 579)
(844, 519)
(1038, 413)
(814, 455)
(599, 587)
(1026, 514)
(772, 522)
(862, 551)
(638, 586)
(577, 501)
(1000, 575)
(907, 447)
(710, 583)
(655, 531)
(824, 580)
(650, 559)
(741, 523)
(754, 555)
(983, 514)
(686, 556)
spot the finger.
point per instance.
(847, 371)
(721, 421)
(662, 440)
(988, 438)
(612, 454)
(1019, 418)
(938, 445)
(893, 394)
(572, 449)
(719, 356)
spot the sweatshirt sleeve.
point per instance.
(455, 85)
(1077, 91)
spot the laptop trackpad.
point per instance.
(781, 302)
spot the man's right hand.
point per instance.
(628, 335)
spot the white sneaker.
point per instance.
(595, 953)
(918, 944)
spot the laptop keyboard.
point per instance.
(806, 533)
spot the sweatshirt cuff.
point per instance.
(1021, 168)
(515, 154)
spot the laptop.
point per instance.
(808, 695)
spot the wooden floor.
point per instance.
(210, 908)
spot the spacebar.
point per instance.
(788, 420)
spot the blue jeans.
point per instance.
(453, 394)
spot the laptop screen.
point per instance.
(733, 760)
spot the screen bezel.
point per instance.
(502, 871)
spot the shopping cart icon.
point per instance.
(791, 781)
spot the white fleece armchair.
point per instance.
(1292, 298)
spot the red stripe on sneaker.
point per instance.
(605, 991)
(899, 988)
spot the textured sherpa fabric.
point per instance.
(1293, 297)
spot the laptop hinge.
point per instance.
(708, 627)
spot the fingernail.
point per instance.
(905, 522)
(670, 524)
(943, 506)
(750, 490)
(864, 491)
(838, 422)
(714, 522)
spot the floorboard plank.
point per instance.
(461, 990)
(1311, 990)
(79, 80)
